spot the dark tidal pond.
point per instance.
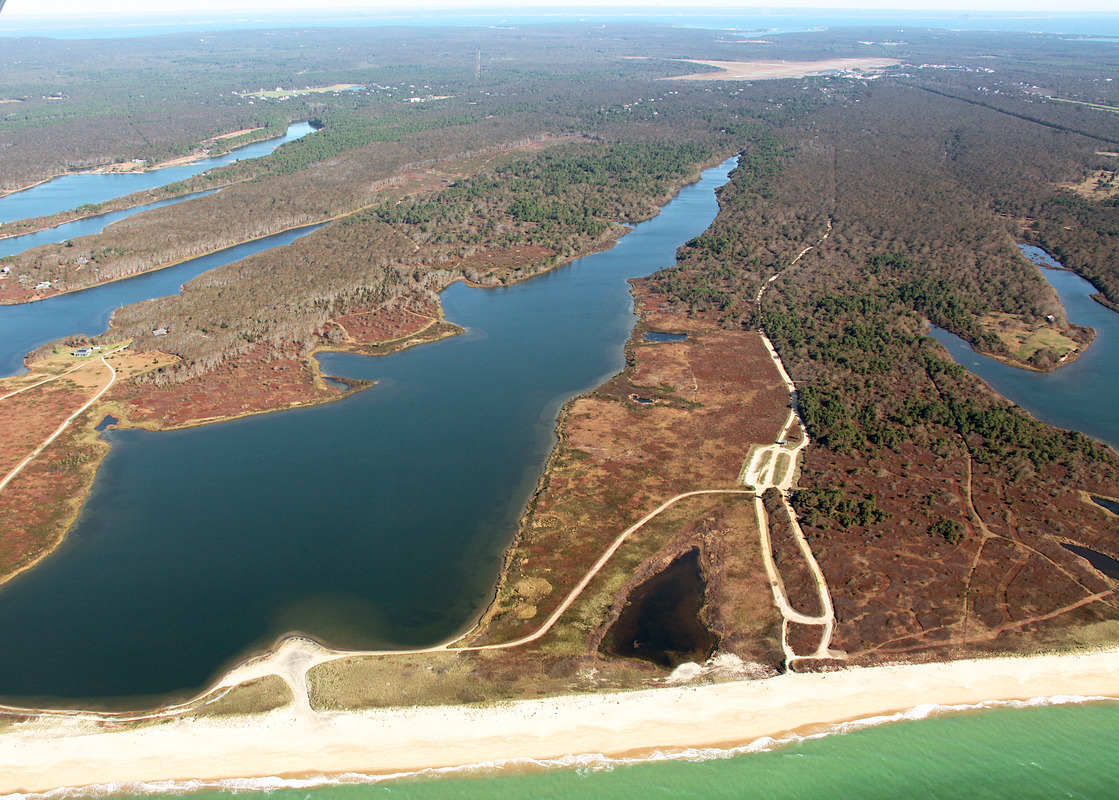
(660, 622)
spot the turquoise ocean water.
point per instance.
(1059, 748)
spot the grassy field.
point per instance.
(1023, 341)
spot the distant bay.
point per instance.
(769, 21)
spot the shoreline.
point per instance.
(300, 746)
(609, 241)
(175, 263)
(606, 242)
(177, 161)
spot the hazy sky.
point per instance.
(84, 8)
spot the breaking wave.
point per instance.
(586, 763)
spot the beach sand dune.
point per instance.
(53, 752)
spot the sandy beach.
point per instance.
(293, 742)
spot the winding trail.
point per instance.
(598, 565)
(762, 473)
(35, 453)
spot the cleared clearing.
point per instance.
(337, 87)
(763, 70)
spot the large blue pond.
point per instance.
(377, 521)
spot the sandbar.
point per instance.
(81, 750)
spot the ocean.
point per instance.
(775, 20)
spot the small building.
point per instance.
(82, 352)
(43, 285)
(159, 332)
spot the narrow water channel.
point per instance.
(1080, 395)
(26, 326)
(87, 226)
(71, 191)
(378, 521)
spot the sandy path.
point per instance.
(34, 453)
(594, 570)
(760, 472)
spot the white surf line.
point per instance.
(19, 467)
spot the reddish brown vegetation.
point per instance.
(790, 562)
(11, 291)
(253, 383)
(713, 396)
(503, 265)
(38, 505)
(382, 324)
(897, 592)
(28, 418)
(243, 385)
(804, 639)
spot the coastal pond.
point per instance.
(25, 326)
(86, 226)
(660, 622)
(1104, 502)
(378, 521)
(1105, 564)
